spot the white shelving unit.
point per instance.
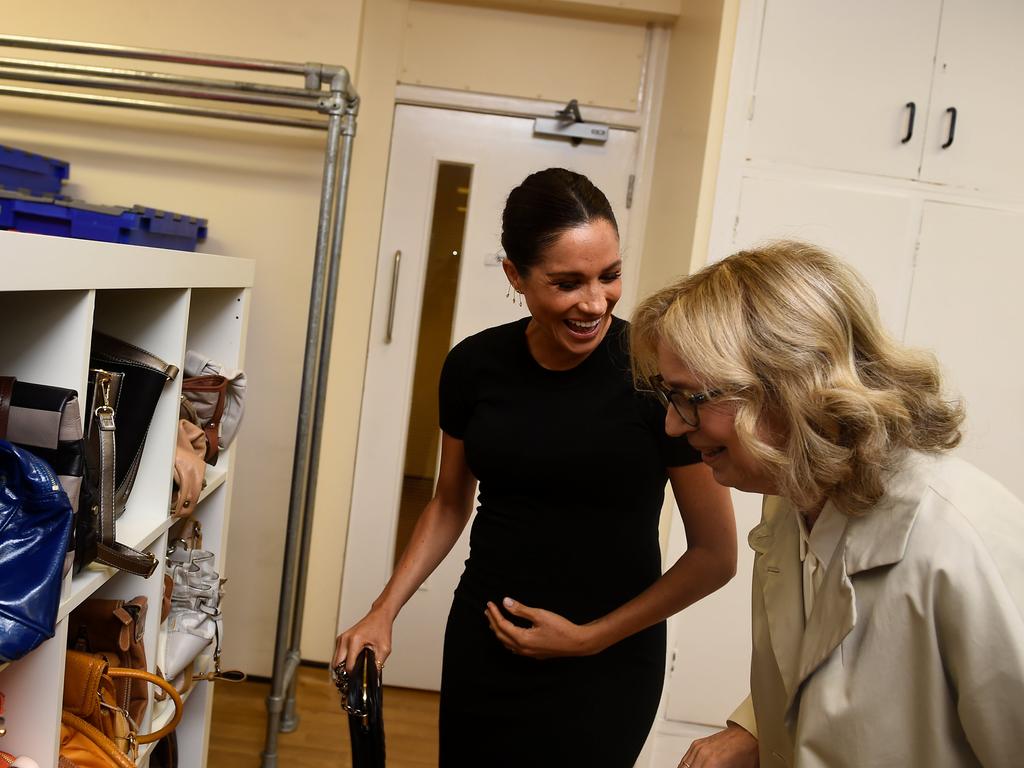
(53, 293)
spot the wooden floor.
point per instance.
(238, 733)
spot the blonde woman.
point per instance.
(888, 585)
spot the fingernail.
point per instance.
(509, 602)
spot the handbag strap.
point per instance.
(105, 346)
(170, 690)
(108, 550)
(6, 392)
(211, 383)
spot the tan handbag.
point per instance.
(189, 468)
(95, 732)
(113, 630)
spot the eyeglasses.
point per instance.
(684, 402)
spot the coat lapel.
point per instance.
(876, 539)
(777, 542)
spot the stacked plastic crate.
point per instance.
(31, 201)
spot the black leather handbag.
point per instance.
(125, 383)
(362, 697)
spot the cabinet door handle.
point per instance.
(394, 296)
(910, 124)
(952, 128)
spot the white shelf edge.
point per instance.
(215, 477)
(94, 576)
(164, 711)
(90, 264)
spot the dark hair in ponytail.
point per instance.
(545, 205)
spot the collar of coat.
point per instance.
(876, 539)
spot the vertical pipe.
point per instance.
(323, 372)
(301, 456)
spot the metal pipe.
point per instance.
(323, 373)
(160, 106)
(301, 455)
(156, 77)
(153, 54)
(160, 89)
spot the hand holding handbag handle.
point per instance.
(363, 699)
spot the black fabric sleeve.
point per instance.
(677, 451)
(454, 392)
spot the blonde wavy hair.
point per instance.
(792, 336)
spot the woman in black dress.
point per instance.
(555, 645)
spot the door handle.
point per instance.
(952, 128)
(394, 296)
(910, 124)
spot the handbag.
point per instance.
(35, 518)
(362, 697)
(114, 630)
(125, 384)
(46, 421)
(189, 468)
(218, 395)
(95, 732)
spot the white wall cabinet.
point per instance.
(54, 293)
(979, 71)
(834, 82)
(834, 79)
(812, 150)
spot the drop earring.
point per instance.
(508, 293)
(520, 298)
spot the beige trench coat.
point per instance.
(913, 656)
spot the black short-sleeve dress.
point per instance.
(572, 471)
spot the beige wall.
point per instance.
(511, 53)
(259, 188)
(688, 142)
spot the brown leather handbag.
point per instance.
(113, 630)
(95, 732)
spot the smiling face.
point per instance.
(716, 437)
(571, 293)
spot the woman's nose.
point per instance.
(674, 424)
(594, 302)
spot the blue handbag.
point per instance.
(35, 523)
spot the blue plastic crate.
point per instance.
(38, 175)
(111, 224)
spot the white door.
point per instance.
(979, 72)
(493, 153)
(834, 79)
(875, 232)
(965, 305)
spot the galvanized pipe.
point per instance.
(160, 89)
(323, 73)
(160, 106)
(155, 77)
(300, 461)
(313, 472)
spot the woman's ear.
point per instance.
(511, 273)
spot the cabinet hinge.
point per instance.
(750, 108)
(629, 190)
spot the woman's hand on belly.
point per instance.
(549, 635)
